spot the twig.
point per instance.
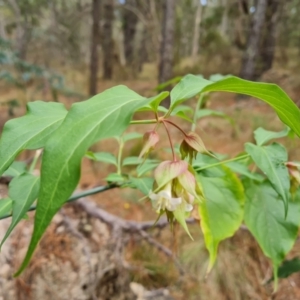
(116, 222)
(96, 190)
(163, 249)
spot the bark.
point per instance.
(148, 14)
(94, 47)
(185, 36)
(167, 43)
(195, 48)
(269, 39)
(108, 45)
(252, 52)
(225, 20)
(241, 25)
(154, 8)
(141, 49)
(130, 22)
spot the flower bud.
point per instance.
(294, 170)
(168, 170)
(191, 145)
(151, 138)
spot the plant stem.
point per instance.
(96, 190)
(121, 146)
(170, 140)
(151, 121)
(168, 113)
(170, 122)
(35, 160)
(223, 162)
(199, 105)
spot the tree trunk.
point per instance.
(241, 26)
(253, 44)
(130, 22)
(94, 47)
(195, 48)
(108, 45)
(225, 20)
(269, 39)
(141, 47)
(167, 43)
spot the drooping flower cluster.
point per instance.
(175, 186)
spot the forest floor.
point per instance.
(241, 268)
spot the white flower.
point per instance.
(164, 200)
(188, 207)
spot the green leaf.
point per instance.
(132, 160)
(188, 87)
(181, 112)
(217, 77)
(202, 113)
(183, 116)
(114, 177)
(105, 115)
(243, 170)
(182, 108)
(30, 131)
(286, 109)
(271, 160)
(105, 157)
(25, 217)
(15, 169)
(153, 104)
(162, 109)
(164, 85)
(147, 166)
(90, 155)
(142, 184)
(5, 206)
(204, 160)
(23, 190)
(263, 136)
(221, 211)
(155, 101)
(131, 136)
(264, 218)
(289, 267)
(180, 216)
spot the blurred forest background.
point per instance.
(67, 51)
(69, 47)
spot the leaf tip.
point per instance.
(212, 260)
(19, 272)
